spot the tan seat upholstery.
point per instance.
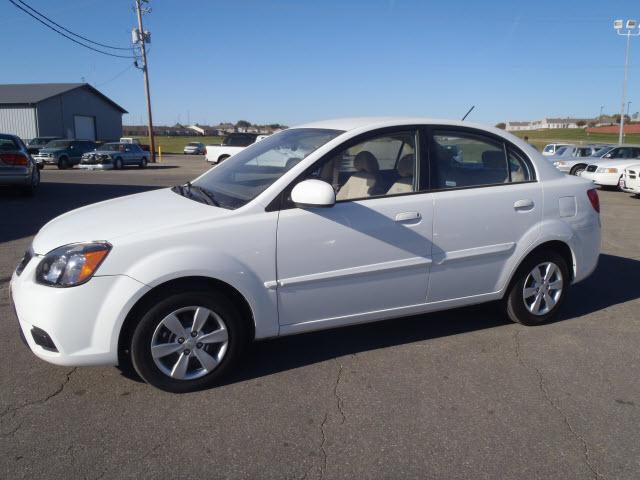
(405, 169)
(361, 184)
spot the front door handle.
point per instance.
(524, 205)
(404, 216)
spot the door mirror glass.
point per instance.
(313, 193)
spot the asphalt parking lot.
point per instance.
(461, 394)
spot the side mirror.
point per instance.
(608, 155)
(313, 193)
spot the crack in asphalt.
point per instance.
(323, 467)
(338, 397)
(57, 392)
(545, 392)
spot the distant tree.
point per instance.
(501, 125)
(581, 123)
(243, 124)
(592, 123)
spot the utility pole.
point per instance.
(142, 41)
(630, 28)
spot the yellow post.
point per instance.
(159, 153)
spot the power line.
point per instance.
(69, 31)
(116, 76)
(67, 36)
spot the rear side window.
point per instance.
(519, 169)
(467, 160)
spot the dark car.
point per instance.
(17, 167)
(35, 144)
(64, 153)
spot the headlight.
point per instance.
(557, 164)
(71, 265)
(607, 170)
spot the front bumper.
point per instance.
(96, 166)
(82, 322)
(606, 179)
(45, 160)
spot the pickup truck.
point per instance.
(144, 147)
(232, 144)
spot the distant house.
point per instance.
(546, 123)
(68, 110)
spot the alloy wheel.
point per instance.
(189, 343)
(542, 288)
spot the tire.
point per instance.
(63, 163)
(519, 308)
(143, 162)
(117, 164)
(164, 371)
(30, 190)
(576, 169)
(222, 158)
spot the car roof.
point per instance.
(347, 124)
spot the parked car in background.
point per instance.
(114, 156)
(551, 148)
(282, 239)
(630, 181)
(143, 146)
(231, 144)
(35, 144)
(195, 148)
(574, 165)
(17, 167)
(64, 153)
(608, 170)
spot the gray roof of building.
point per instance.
(32, 93)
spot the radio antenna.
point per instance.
(467, 114)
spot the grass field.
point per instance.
(176, 144)
(540, 138)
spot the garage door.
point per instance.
(85, 127)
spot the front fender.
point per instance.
(180, 262)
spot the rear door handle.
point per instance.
(523, 205)
(404, 216)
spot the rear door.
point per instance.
(486, 202)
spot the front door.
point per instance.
(369, 254)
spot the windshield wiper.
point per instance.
(211, 200)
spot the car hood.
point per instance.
(620, 164)
(52, 150)
(101, 152)
(123, 216)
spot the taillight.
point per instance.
(593, 198)
(14, 159)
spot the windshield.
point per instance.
(601, 151)
(39, 141)
(112, 147)
(193, 144)
(561, 150)
(248, 173)
(59, 144)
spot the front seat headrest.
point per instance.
(292, 162)
(493, 159)
(366, 162)
(405, 165)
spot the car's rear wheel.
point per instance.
(538, 288)
(188, 341)
(222, 158)
(117, 164)
(577, 169)
(33, 185)
(63, 163)
(143, 162)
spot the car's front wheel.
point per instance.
(143, 162)
(117, 164)
(577, 170)
(538, 289)
(187, 341)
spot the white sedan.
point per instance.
(607, 173)
(325, 225)
(630, 181)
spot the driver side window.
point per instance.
(379, 166)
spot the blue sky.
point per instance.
(294, 61)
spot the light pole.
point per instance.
(630, 31)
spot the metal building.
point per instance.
(68, 110)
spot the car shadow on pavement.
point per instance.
(24, 216)
(613, 282)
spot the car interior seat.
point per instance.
(363, 183)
